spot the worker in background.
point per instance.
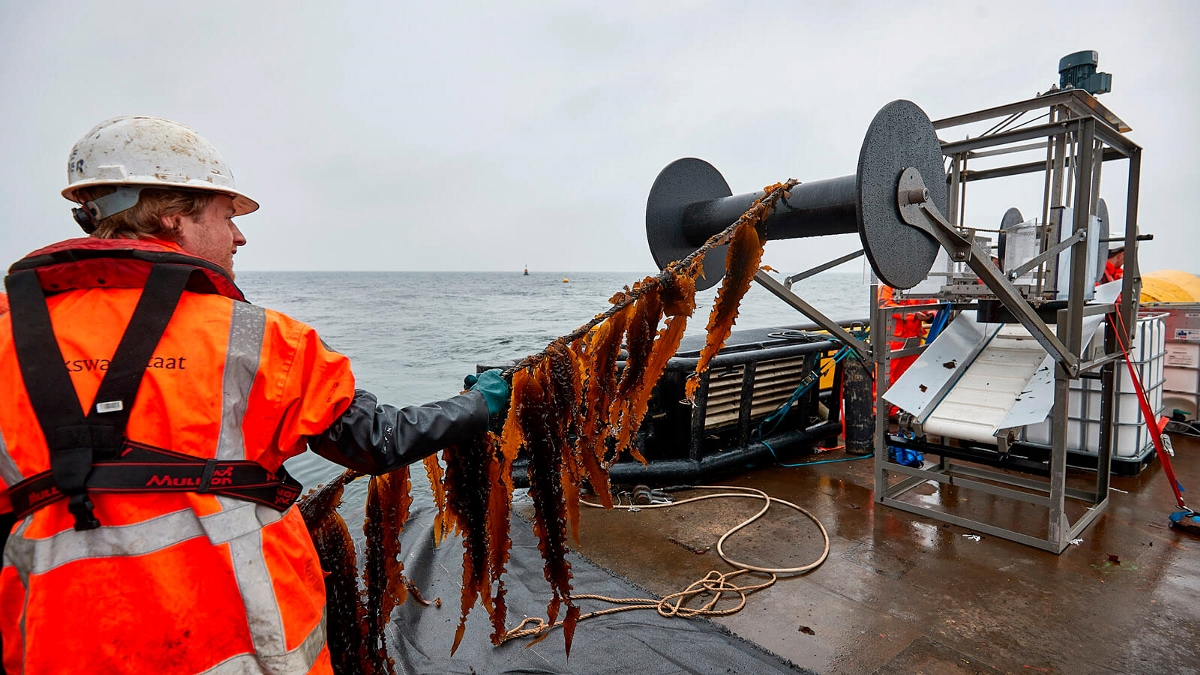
(907, 326)
(148, 410)
(1114, 268)
(999, 265)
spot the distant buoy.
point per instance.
(566, 280)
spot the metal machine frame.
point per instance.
(895, 202)
(1080, 135)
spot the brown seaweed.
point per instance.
(498, 540)
(345, 617)
(584, 431)
(467, 496)
(602, 347)
(388, 501)
(639, 335)
(741, 263)
(415, 594)
(638, 400)
(441, 521)
(640, 342)
(499, 506)
(677, 299)
(565, 390)
(544, 427)
(678, 294)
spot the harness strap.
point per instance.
(145, 468)
(76, 439)
(154, 310)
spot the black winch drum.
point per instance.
(690, 201)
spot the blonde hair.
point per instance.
(145, 218)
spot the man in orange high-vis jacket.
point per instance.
(148, 410)
(1114, 267)
(907, 326)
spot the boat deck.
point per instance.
(901, 593)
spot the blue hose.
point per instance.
(776, 417)
(807, 383)
(938, 324)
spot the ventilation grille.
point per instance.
(774, 382)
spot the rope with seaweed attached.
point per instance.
(550, 383)
(755, 213)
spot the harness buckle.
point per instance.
(80, 506)
(206, 479)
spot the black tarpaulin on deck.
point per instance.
(638, 641)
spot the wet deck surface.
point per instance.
(902, 593)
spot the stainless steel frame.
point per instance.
(1080, 135)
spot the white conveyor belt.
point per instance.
(976, 380)
(979, 402)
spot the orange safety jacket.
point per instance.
(1112, 272)
(169, 581)
(907, 326)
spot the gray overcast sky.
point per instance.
(488, 136)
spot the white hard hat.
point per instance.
(148, 152)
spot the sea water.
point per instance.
(412, 336)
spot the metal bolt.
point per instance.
(917, 196)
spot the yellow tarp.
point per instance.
(1170, 286)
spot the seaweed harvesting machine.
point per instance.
(996, 397)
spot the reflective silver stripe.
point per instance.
(299, 660)
(114, 541)
(258, 594)
(263, 616)
(39, 556)
(19, 556)
(19, 551)
(9, 470)
(246, 331)
(237, 518)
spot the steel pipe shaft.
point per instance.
(690, 201)
(813, 209)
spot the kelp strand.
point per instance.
(388, 501)
(467, 496)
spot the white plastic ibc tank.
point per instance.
(1083, 409)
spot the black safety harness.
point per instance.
(89, 451)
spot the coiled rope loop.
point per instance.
(715, 583)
